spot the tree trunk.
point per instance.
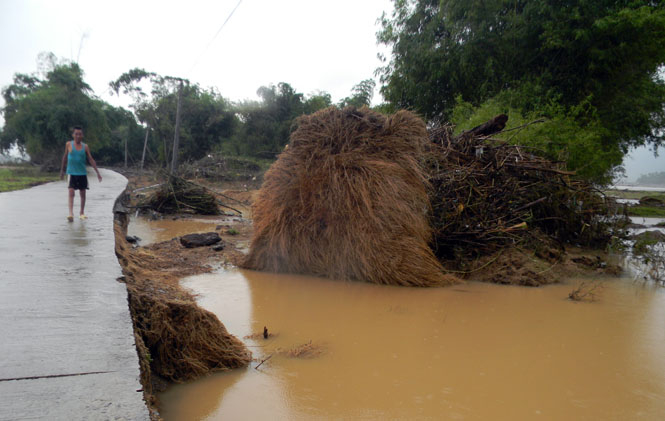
(145, 144)
(176, 137)
(494, 125)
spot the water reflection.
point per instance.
(165, 229)
(76, 235)
(477, 351)
(650, 224)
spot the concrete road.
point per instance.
(66, 341)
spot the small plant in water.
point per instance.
(616, 244)
(649, 251)
(232, 231)
(306, 350)
(587, 290)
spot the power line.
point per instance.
(213, 38)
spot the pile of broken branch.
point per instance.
(178, 195)
(487, 193)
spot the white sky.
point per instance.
(641, 161)
(310, 44)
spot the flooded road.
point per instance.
(475, 351)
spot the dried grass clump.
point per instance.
(185, 341)
(348, 200)
(176, 339)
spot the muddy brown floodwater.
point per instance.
(165, 229)
(475, 352)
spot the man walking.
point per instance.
(75, 157)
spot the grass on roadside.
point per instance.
(22, 177)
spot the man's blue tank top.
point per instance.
(76, 160)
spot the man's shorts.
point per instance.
(78, 182)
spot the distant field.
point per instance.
(640, 210)
(625, 194)
(22, 177)
(646, 211)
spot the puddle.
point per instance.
(475, 351)
(648, 223)
(159, 230)
(628, 201)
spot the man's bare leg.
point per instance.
(82, 194)
(71, 203)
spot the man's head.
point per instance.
(77, 134)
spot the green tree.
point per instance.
(40, 113)
(266, 124)
(361, 94)
(560, 137)
(596, 62)
(123, 128)
(207, 119)
(134, 83)
(317, 101)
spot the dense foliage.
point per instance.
(594, 66)
(40, 112)
(209, 123)
(267, 124)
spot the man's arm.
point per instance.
(64, 161)
(93, 163)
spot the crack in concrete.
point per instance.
(50, 376)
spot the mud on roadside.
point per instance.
(177, 340)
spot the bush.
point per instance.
(558, 134)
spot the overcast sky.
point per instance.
(311, 44)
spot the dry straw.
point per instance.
(176, 339)
(185, 342)
(348, 200)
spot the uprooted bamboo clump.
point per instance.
(487, 193)
(178, 195)
(348, 200)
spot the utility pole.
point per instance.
(145, 144)
(176, 137)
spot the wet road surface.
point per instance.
(66, 338)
